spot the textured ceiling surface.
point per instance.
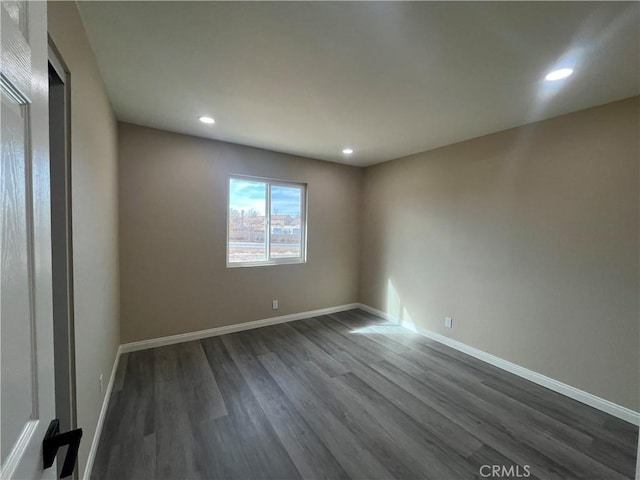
(385, 78)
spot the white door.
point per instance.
(26, 315)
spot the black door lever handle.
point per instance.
(53, 440)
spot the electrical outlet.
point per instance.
(275, 304)
(448, 322)
(101, 380)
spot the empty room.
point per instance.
(320, 240)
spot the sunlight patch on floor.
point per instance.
(385, 329)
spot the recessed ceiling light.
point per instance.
(207, 120)
(347, 151)
(558, 74)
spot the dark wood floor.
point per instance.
(344, 396)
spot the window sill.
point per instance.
(280, 261)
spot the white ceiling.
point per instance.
(387, 79)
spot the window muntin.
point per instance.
(266, 222)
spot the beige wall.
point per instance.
(528, 238)
(173, 214)
(94, 211)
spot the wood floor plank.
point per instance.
(175, 443)
(109, 438)
(446, 432)
(354, 323)
(263, 450)
(455, 375)
(392, 451)
(200, 388)
(129, 416)
(356, 460)
(137, 459)
(553, 403)
(603, 449)
(175, 440)
(348, 395)
(384, 430)
(570, 435)
(373, 342)
(310, 456)
(578, 416)
(118, 381)
(531, 435)
(114, 466)
(479, 426)
(625, 430)
(293, 348)
(220, 450)
(369, 350)
(428, 436)
(553, 411)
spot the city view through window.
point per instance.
(265, 221)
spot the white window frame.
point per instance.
(270, 182)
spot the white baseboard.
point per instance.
(587, 398)
(103, 413)
(213, 332)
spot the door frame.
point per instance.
(64, 333)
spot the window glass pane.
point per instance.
(286, 218)
(247, 209)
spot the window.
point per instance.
(267, 223)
